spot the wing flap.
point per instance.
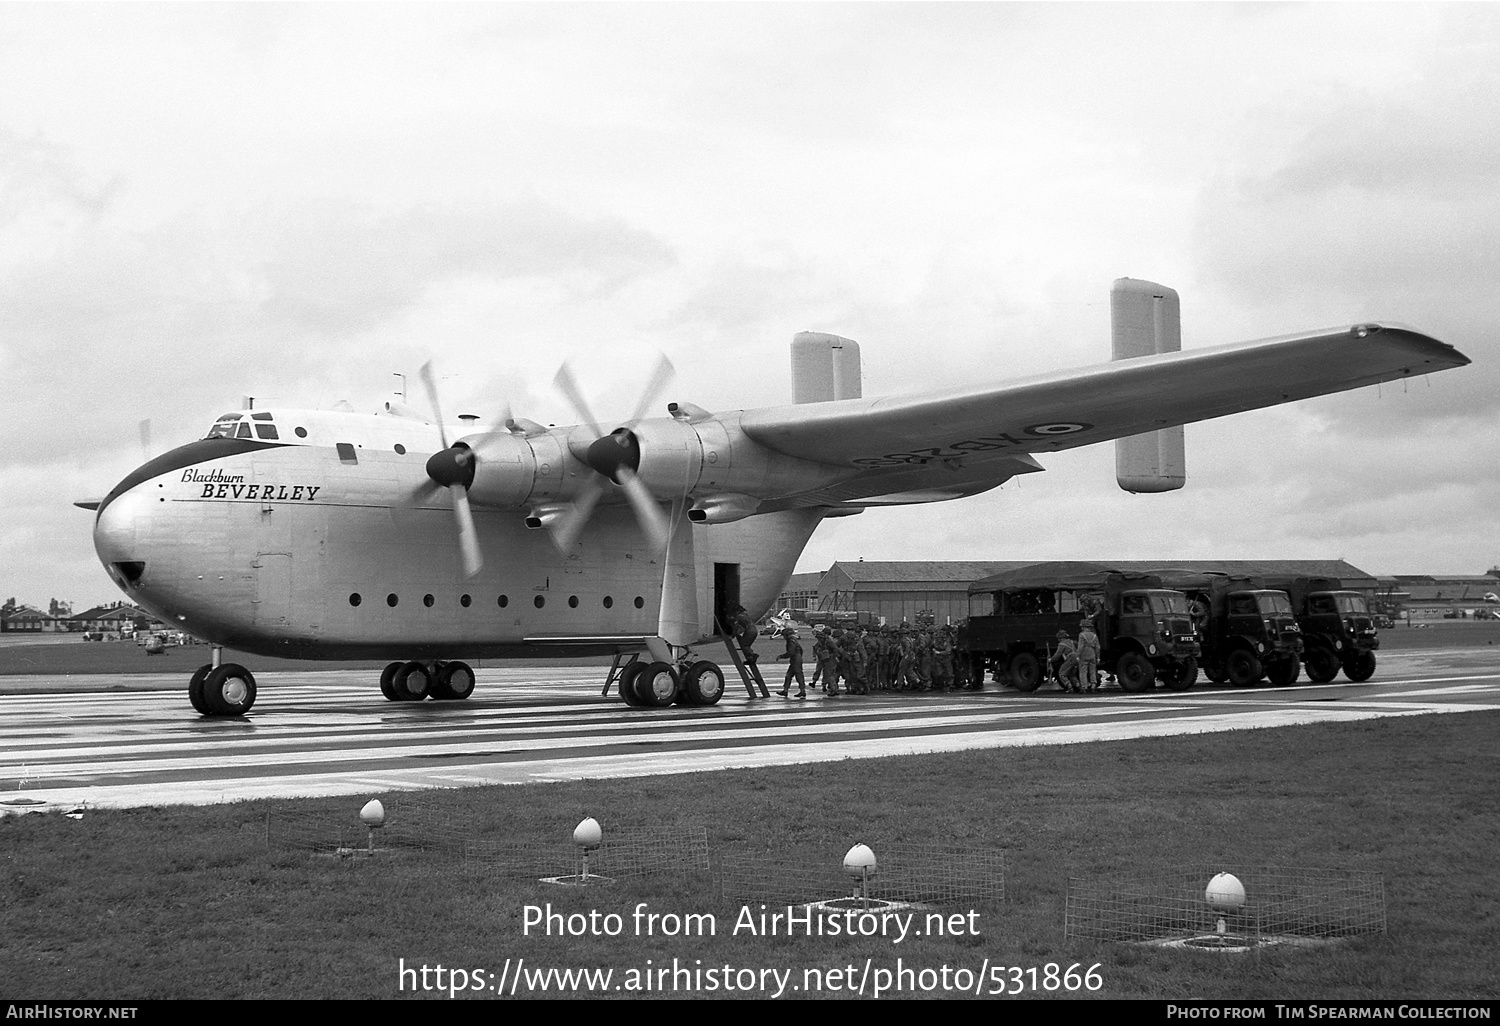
(1066, 409)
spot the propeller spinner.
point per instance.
(453, 469)
(616, 457)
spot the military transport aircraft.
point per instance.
(331, 535)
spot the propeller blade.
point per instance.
(567, 532)
(432, 398)
(146, 440)
(659, 380)
(569, 388)
(647, 513)
(468, 537)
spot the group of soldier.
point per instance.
(866, 660)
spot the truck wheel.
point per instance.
(1244, 668)
(1025, 672)
(1361, 667)
(1216, 674)
(1182, 675)
(1135, 673)
(1322, 665)
(1284, 671)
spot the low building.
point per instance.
(29, 620)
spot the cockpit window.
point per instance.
(244, 431)
(224, 426)
(266, 431)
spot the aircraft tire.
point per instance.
(1360, 668)
(626, 683)
(656, 685)
(703, 683)
(1135, 673)
(1322, 665)
(229, 690)
(1244, 668)
(1025, 672)
(411, 683)
(1284, 672)
(387, 676)
(1182, 676)
(195, 689)
(454, 683)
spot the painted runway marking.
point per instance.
(325, 733)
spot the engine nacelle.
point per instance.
(722, 509)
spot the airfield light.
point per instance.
(373, 817)
(859, 863)
(587, 836)
(1225, 894)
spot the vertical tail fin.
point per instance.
(1146, 319)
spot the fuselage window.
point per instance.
(503, 601)
(427, 601)
(301, 432)
(346, 452)
(391, 599)
(539, 602)
(640, 603)
(464, 601)
(572, 601)
(266, 431)
(608, 602)
(400, 449)
(354, 599)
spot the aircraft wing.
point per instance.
(978, 436)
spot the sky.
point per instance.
(202, 202)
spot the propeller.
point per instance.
(615, 457)
(453, 469)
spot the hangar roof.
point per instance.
(956, 571)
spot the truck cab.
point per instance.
(1247, 631)
(1338, 630)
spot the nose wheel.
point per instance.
(224, 690)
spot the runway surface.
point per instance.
(331, 733)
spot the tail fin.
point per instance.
(824, 367)
(1146, 319)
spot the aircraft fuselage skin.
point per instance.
(331, 542)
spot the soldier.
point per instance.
(1064, 660)
(1088, 657)
(744, 632)
(793, 663)
(924, 661)
(845, 641)
(827, 651)
(942, 652)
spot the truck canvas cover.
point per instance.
(1062, 576)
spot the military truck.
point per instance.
(1145, 630)
(1338, 630)
(1247, 631)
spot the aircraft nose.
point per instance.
(116, 536)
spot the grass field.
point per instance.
(180, 902)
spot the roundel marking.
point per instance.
(1063, 428)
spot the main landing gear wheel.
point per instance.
(1135, 673)
(455, 682)
(1025, 672)
(656, 685)
(1244, 668)
(195, 689)
(387, 680)
(703, 683)
(229, 690)
(1322, 665)
(1360, 668)
(411, 683)
(626, 683)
